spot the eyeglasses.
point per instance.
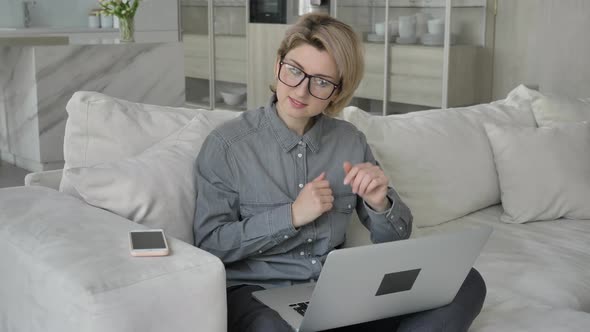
(317, 86)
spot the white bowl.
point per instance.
(380, 28)
(407, 26)
(436, 27)
(233, 97)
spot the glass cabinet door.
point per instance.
(416, 57)
(433, 58)
(470, 60)
(231, 70)
(214, 37)
(368, 20)
(194, 21)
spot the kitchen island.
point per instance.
(36, 82)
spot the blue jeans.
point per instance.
(245, 314)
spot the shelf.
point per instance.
(216, 3)
(230, 65)
(412, 3)
(415, 74)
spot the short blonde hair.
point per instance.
(326, 33)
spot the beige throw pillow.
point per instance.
(544, 172)
(104, 129)
(440, 161)
(155, 188)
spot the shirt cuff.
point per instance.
(281, 223)
(376, 213)
(391, 215)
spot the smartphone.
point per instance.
(150, 242)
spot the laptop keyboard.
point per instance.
(300, 307)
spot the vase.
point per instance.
(126, 29)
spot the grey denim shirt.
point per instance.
(250, 171)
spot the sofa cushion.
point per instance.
(544, 172)
(440, 161)
(104, 129)
(549, 109)
(535, 273)
(66, 267)
(155, 188)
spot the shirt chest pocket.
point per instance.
(340, 216)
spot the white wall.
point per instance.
(544, 43)
(11, 13)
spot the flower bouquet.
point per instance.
(124, 10)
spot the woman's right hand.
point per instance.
(314, 199)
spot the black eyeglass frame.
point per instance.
(306, 75)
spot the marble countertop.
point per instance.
(64, 40)
(75, 39)
(36, 31)
(111, 41)
(34, 40)
(38, 36)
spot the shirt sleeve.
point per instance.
(390, 225)
(218, 227)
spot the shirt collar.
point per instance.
(287, 138)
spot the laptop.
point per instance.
(378, 281)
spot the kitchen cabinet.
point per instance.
(437, 3)
(412, 3)
(215, 51)
(408, 77)
(398, 77)
(416, 75)
(230, 66)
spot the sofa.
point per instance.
(520, 165)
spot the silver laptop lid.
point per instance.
(389, 279)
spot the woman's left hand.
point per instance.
(369, 182)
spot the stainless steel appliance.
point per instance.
(284, 11)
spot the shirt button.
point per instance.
(400, 228)
(302, 253)
(300, 155)
(349, 206)
(301, 185)
(309, 240)
(313, 261)
(301, 143)
(286, 236)
(260, 251)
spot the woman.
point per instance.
(277, 185)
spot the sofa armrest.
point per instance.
(66, 267)
(50, 179)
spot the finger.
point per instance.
(326, 199)
(321, 184)
(364, 184)
(359, 178)
(318, 192)
(347, 167)
(372, 186)
(324, 192)
(327, 207)
(351, 175)
(354, 170)
(320, 177)
(380, 178)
